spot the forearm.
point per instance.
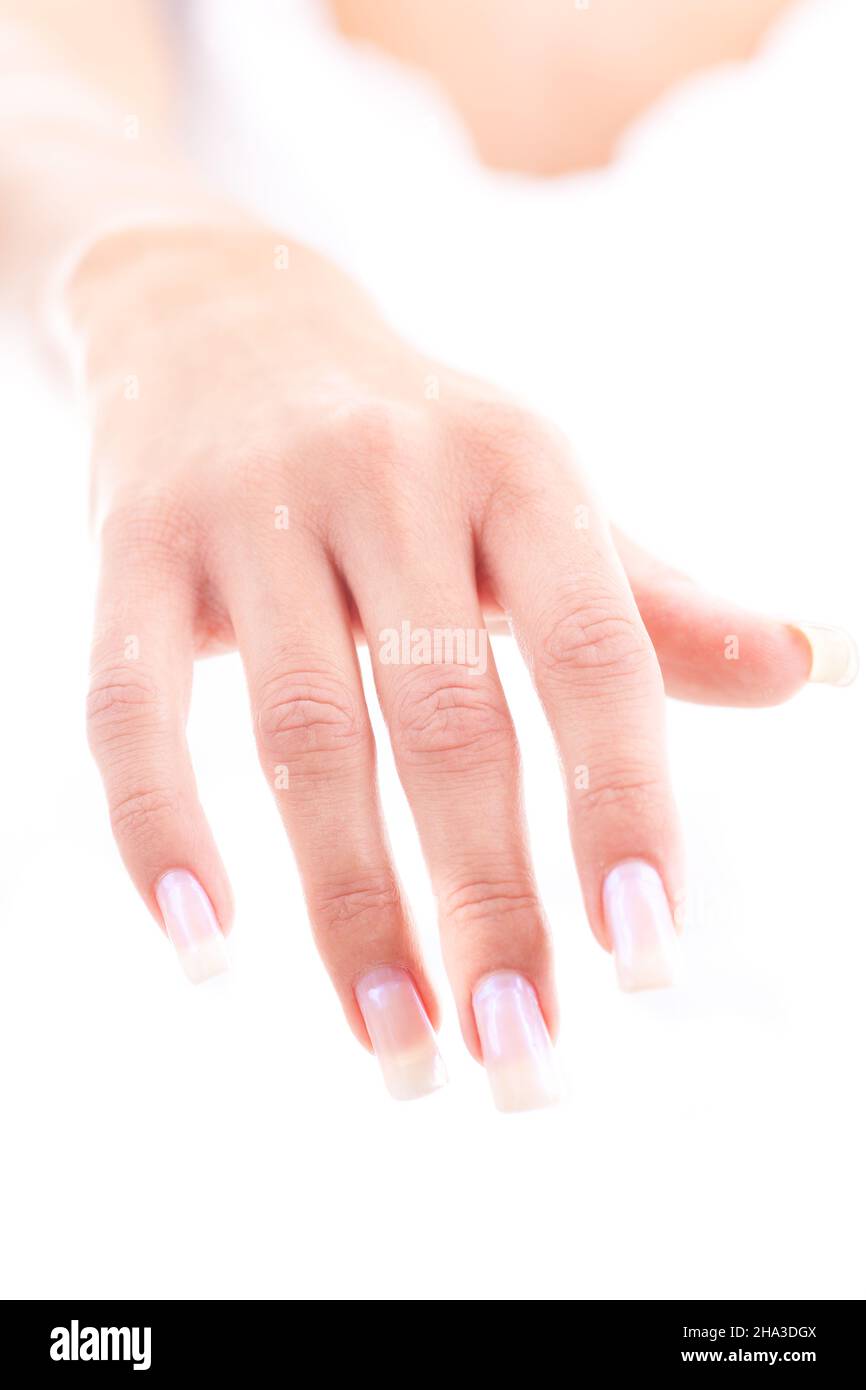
(87, 139)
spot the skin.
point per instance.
(436, 511)
(399, 508)
(549, 86)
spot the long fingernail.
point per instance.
(401, 1033)
(191, 925)
(515, 1044)
(834, 655)
(639, 920)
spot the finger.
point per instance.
(141, 673)
(457, 756)
(714, 652)
(598, 678)
(317, 751)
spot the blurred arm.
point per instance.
(118, 47)
(87, 137)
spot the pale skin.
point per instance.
(268, 391)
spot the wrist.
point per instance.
(164, 280)
(150, 268)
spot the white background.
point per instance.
(696, 317)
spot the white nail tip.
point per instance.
(401, 1033)
(654, 973)
(834, 655)
(203, 961)
(412, 1076)
(517, 1087)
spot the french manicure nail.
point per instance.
(638, 917)
(834, 655)
(191, 925)
(515, 1044)
(401, 1033)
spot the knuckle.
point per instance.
(254, 479)
(142, 813)
(519, 454)
(120, 702)
(448, 716)
(257, 470)
(505, 429)
(378, 449)
(159, 525)
(634, 793)
(484, 912)
(374, 432)
(366, 901)
(590, 637)
(483, 898)
(523, 463)
(302, 714)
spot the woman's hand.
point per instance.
(274, 469)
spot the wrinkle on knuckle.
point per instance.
(140, 813)
(363, 902)
(488, 898)
(303, 712)
(448, 716)
(121, 701)
(629, 792)
(492, 915)
(590, 637)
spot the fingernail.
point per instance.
(515, 1044)
(191, 925)
(834, 655)
(639, 920)
(401, 1033)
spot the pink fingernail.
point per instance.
(515, 1043)
(401, 1033)
(191, 924)
(639, 920)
